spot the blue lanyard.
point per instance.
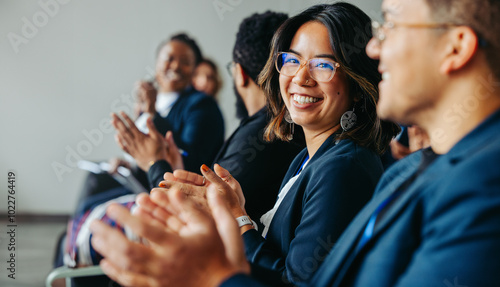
(302, 166)
(370, 227)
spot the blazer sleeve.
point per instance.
(156, 172)
(332, 195)
(202, 134)
(241, 280)
(161, 124)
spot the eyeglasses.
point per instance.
(379, 34)
(230, 68)
(378, 29)
(320, 69)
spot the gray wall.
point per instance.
(67, 64)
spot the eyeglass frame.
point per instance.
(380, 36)
(335, 66)
(230, 67)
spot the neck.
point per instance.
(465, 106)
(254, 98)
(165, 91)
(315, 139)
(170, 90)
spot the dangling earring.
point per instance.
(289, 120)
(348, 120)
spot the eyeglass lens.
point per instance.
(320, 69)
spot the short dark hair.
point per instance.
(483, 16)
(253, 41)
(349, 30)
(183, 38)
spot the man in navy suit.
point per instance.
(435, 217)
(194, 120)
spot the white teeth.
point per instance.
(386, 76)
(304, 100)
(172, 75)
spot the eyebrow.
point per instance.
(329, 56)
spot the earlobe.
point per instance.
(461, 48)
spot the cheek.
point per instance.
(160, 68)
(284, 84)
(188, 72)
(338, 91)
(283, 89)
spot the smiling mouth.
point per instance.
(173, 76)
(304, 99)
(386, 76)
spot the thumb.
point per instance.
(169, 137)
(211, 176)
(153, 132)
(223, 173)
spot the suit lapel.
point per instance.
(436, 170)
(399, 204)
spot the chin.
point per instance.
(393, 115)
(178, 87)
(383, 112)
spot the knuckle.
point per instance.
(128, 251)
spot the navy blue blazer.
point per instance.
(336, 183)
(197, 126)
(444, 230)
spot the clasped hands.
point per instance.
(146, 148)
(193, 238)
(146, 97)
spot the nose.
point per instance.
(173, 64)
(302, 77)
(202, 80)
(373, 49)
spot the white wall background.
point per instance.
(65, 65)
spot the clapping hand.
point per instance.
(211, 237)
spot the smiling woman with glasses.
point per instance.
(318, 78)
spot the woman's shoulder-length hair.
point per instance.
(350, 31)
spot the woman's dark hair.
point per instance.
(350, 30)
(184, 38)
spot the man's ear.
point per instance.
(241, 78)
(461, 47)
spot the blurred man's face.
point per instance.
(174, 67)
(409, 63)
